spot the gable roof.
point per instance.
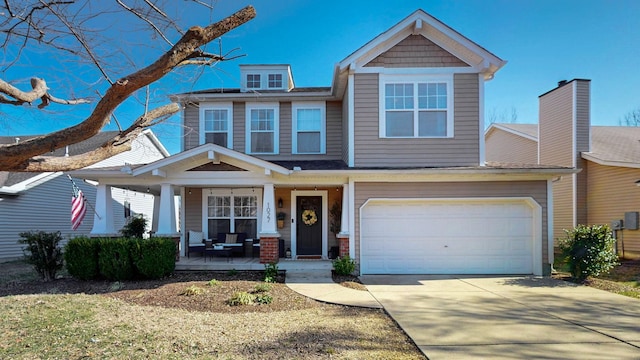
(12, 178)
(615, 146)
(421, 23)
(529, 131)
(610, 145)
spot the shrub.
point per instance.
(270, 272)
(589, 251)
(213, 282)
(192, 290)
(153, 258)
(114, 259)
(262, 288)
(81, 257)
(264, 299)
(241, 298)
(43, 252)
(135, 227)
(344, 265)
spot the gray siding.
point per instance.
(239, 124)
(534, 189)
(47, 207)
(334, 135)
(461, 150)
(345, 127)
(416, 51)
(191, 129)
(193, 209)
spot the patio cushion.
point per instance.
(231, 238)
(196, 238)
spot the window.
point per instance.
(216, 124)
(253, 81)
(275, 81)
(231, 211)
(309, 135)
(262, 128)
(416, 107)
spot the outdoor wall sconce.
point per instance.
(279, 203)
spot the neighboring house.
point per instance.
(605, 190)
(396, 140)
(42, 201)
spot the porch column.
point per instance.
(156, 214)
(268, 233)
(166, 212)
(103, 216)
(343, 236)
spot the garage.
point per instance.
(450, 236)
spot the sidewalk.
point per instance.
(319, 285)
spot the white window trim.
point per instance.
(282, 76)
(253, 74)
(217, 106)
(206, 192)
(322, 105)
(276, 130)
(414, 79)
(264, 79)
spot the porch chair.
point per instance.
(195, 242)
(235, 241)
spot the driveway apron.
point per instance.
(479, 317)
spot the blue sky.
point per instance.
(543, 41)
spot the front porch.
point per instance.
(246, 263)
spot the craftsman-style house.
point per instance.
(396, 141)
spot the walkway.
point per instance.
(320, 286)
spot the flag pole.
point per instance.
(85, 200)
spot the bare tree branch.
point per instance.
(145, 19)
(18, 157)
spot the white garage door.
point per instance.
(447, 237)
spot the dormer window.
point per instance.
(266, 77)
(275, 81)
(253, 81)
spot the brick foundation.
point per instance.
(268, 250)
(344, 246)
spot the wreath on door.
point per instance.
(309, 217)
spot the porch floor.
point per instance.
(198, 262)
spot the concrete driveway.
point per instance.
(469, 317)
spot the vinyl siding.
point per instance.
(560, 110)
(534, 189)
(562, 206)
(46, 204)
(612, 192)
(461, 150)
(334, 136)
(191, 128)
(556, 132)
(416, 51)
(345, 127)
(503, 146)
(583, 137)
(193, 209)
(47, 207)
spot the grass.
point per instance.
(81, 325)
(623, 279)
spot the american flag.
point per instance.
(78, 208)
